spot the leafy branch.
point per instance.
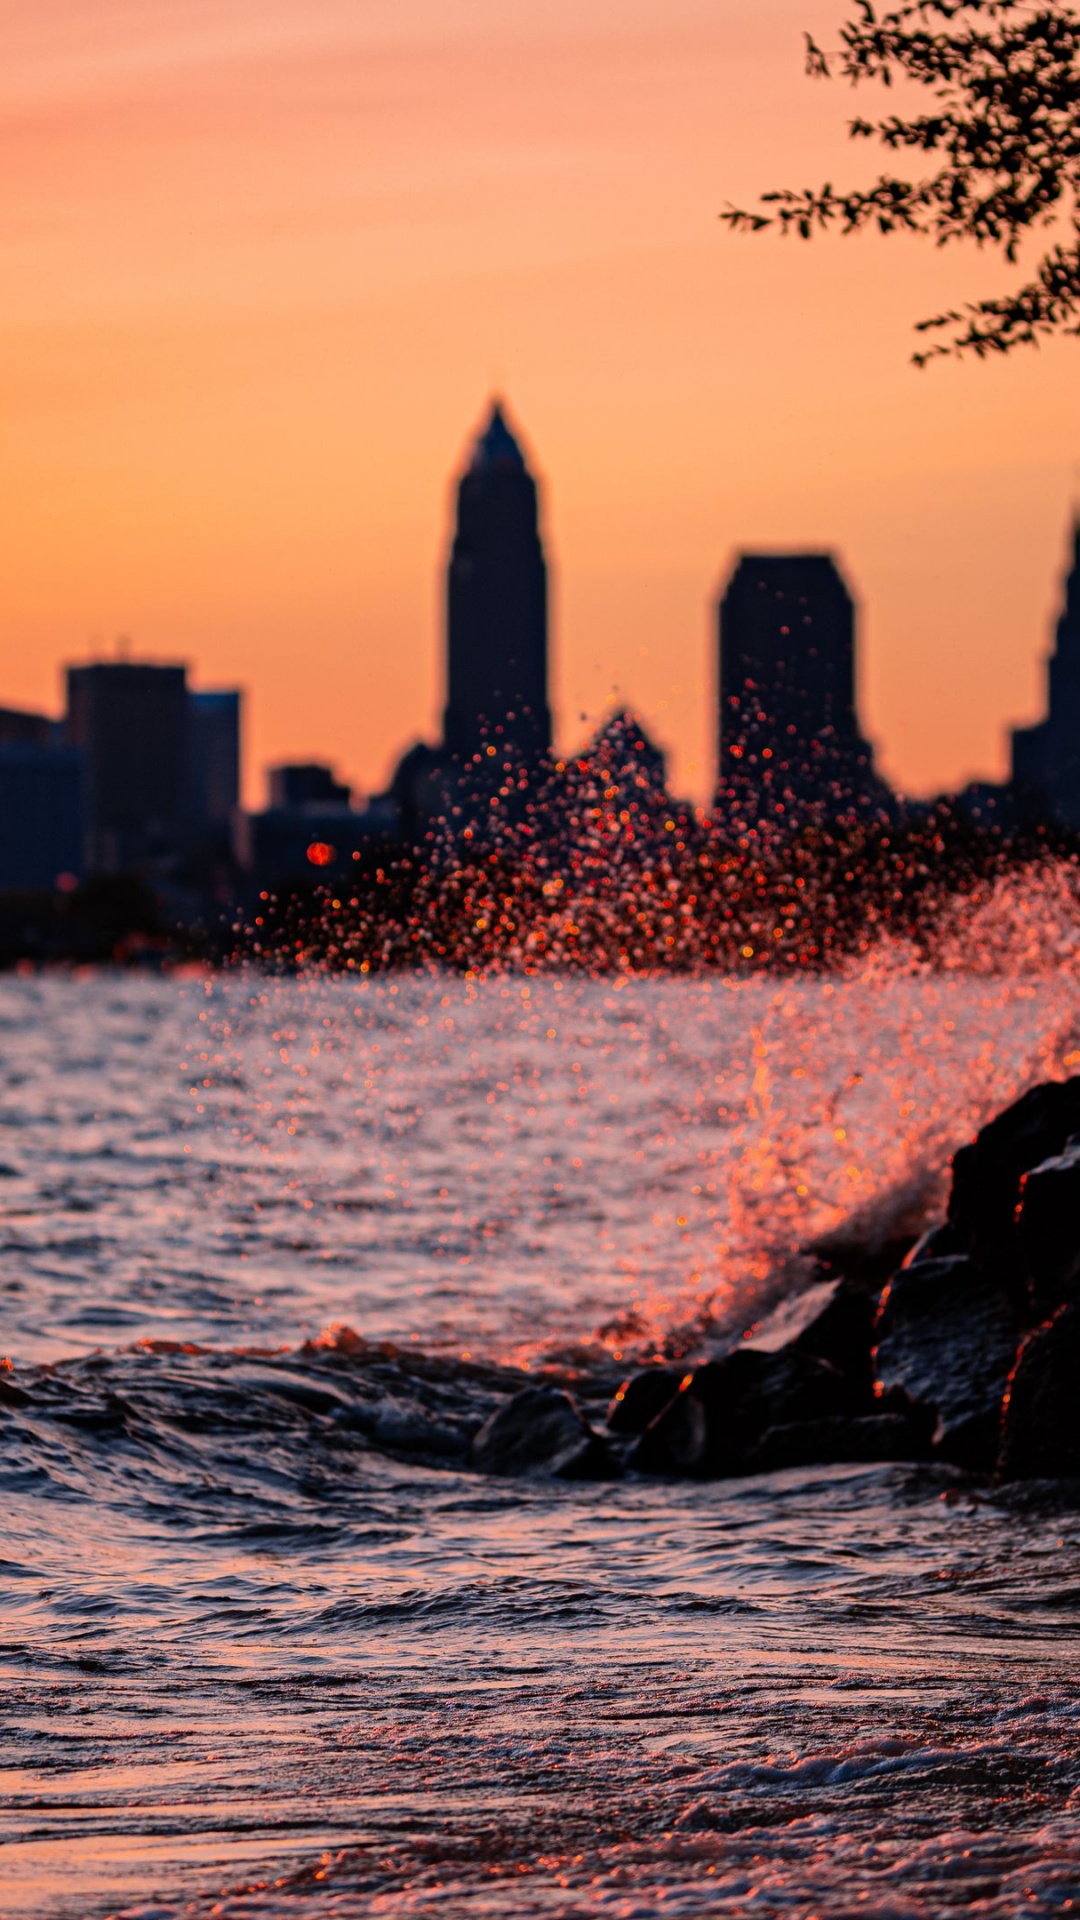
(1004, 134)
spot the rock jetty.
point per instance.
(969, 1354)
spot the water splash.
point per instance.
(507, 1165)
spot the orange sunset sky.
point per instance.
(264, 261)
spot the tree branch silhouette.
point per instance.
(1003, 132)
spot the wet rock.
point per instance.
(861, 1255)
(721, 1411)
(947, 1336)
(1040, 1435)
(864, 1440)
(987, 1174)
(1048, 1230)
(937, 1243)
(11, 1395)
(404, 1429)
(843, 1334)
(642, 1397)
(111, 1417)
(291, 1385)
(540, 1430)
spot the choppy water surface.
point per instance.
(253, 1664)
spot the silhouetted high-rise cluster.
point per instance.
(142, 775)
(790, 746)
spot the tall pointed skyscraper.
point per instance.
(1046, 757)
(496, 629)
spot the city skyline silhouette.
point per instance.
(496, 588)
(251, 321)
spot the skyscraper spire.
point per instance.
(496, 446)
(496, 617)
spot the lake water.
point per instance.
(257, 1660)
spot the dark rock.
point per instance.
(862, 1257)
(946, 1338)
(291, 1385)
(842, 1333)
(111, 1417)
(792, 1314)
(642, 1397)
(1040, 1435)
(722, 1410)
(540, 1430)
(11, 1395)
(1048, 1230)
(937, 1243)
(987, 1174)
(864, 1440)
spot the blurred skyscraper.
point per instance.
(790, 747)
(162, 765)
(1046, 757)
(311, 831)
(213, 759)
(130, 721)
(308, 785)
(496, 639)
(41, 796)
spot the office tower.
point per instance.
(790, 745)
(41, 793)
(497, 606)
(41, 814)
(1046, 757)
(213, 754)
(131, 723)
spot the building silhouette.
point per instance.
(610, 800)
(1046, 757)
(130, 722)
(308, 784)
(19, 728)
(496, 606)
(423, 789)
(631, 767)
(311, 831)
(790, 747)
(213, 765)
(41, 804)
(161, 766)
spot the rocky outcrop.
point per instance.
(541, 1430)
(864, 1440)
(718, 1418)
(987, 1175)
(1048, 1230)
(1041, 1426)
(642, 1397)
(924, 1371)
(842, 1334)
(946, 1336)
(952, 1320)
